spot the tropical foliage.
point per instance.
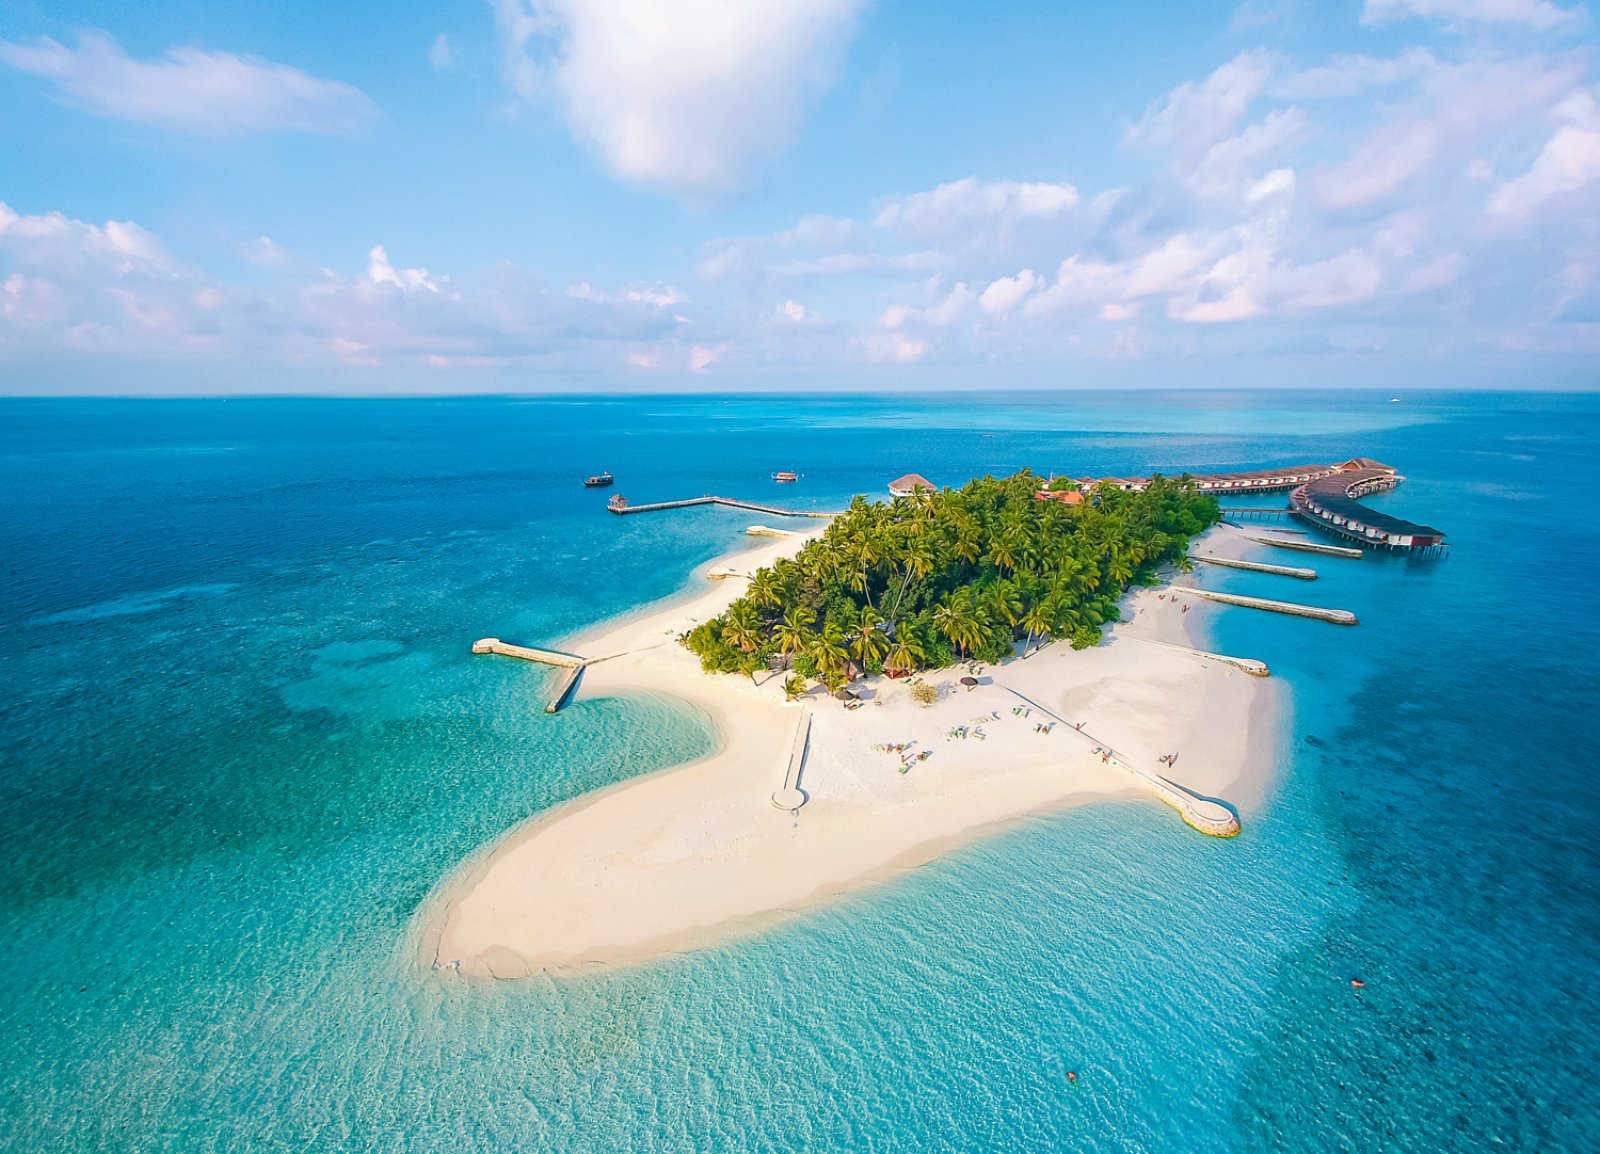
(961, 574)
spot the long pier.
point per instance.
(1308, 547)
(1257, 567)
(790, 796)
(622, 508)
(571, 665)
(1337, 616)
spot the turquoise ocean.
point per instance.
(243, 740)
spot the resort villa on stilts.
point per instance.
(1323, 495)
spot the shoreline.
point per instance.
(696, 853)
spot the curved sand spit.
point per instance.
(683, 857)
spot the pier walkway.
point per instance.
(620, 506)
(1257, 567)
(1336, 616)
(790, 796)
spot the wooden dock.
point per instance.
(1309, 547)
(790, 796)
(1257, 567)
(1245, 513)
(727, 502)
(1337, 616)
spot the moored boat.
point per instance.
(784, 476)
(598, 481)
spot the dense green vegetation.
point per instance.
(960, 574)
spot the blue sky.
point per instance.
(527, 195)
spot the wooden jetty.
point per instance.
(1257, 567)
(790, 796)
(620, 506)
(1253, 514)
(1337, 616)
(1308, 547)
(570, 664)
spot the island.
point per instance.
(896, 682)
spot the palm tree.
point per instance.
(794, 630)
(1005, 603)
(826, 649)
(1037, 620)
(766, 591)
(869, 643)
(906, 654)
(961, 620)
(794, 688)
(742, 629)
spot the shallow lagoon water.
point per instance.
(245, 740)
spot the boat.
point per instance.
(785, 476)
(598, 481)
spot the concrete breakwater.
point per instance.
(1308, 547)
(622, 508)
(790, 796)
(1337, 616)
(570, 664)
(1258, 567)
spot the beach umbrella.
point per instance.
(846, 695)
(970, 682)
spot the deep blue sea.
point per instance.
(242, 739)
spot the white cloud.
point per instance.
(1532, 13)
(793, 310)
(380, 271)
(1005, 294)
(1394, 154)
(1569, 161)
(266, 252)
(441, 54)
(702, 357)
(893, 347)
(957, 205)
(681, 96)
(208, 93)
(1195, 115)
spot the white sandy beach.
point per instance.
(691, 854)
